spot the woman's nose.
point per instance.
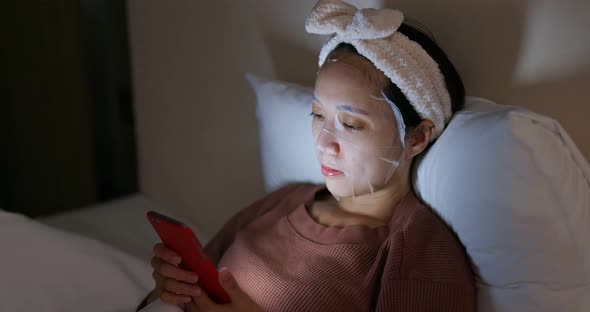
(327, 143)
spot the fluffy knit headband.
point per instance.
(373, 32)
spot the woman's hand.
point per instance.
(240, 301)
(173, 284)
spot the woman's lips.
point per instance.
(330, 172)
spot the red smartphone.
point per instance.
(180, 238)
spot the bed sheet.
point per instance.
(120, 223)
(44, 268)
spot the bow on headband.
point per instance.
(348, 22)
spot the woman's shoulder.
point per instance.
(414, 218)
(428, 248)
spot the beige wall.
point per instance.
(197, 133)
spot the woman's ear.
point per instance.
(418, 138)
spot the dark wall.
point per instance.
(67, 136)
(105, 43)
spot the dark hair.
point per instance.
(453, 81)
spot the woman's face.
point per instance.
(355, 129)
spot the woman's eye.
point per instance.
(351, 123)
(316, 115)
(352, 127)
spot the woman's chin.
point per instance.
(336, 188)
(344, 188)
(340, 188)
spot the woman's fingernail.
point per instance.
(224, 275)
(194, 278)
(197, 291)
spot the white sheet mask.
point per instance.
(399, 118)
(366, 156)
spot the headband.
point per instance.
(373, 32)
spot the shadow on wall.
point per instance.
(293, 52)
(292, 61)
(564, 99)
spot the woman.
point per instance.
(363, 241)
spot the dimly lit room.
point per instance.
(313, 155)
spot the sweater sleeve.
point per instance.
(422, 296)
(217, 246)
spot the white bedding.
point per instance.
(47, 269)
(92, 259)
(120, 223)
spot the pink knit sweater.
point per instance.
(286, 261)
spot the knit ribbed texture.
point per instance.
(287, 262)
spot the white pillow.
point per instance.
(284, 124)
(510, 183)
(516, 190)
(45, 269)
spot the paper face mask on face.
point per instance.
(356, 131)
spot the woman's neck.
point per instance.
(380, 205)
